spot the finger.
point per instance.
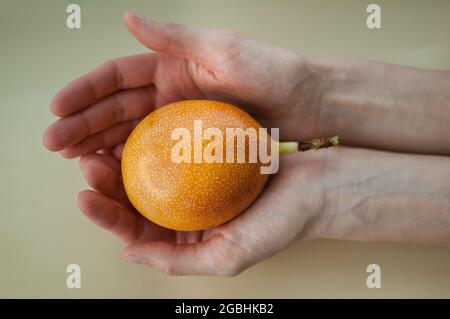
(105, 151)
(215, 256)
(122, 73)
(194, 44)
(102, 172)
(117, 151)
(107, 160)
(120, 107)
(107, 138)
(105, 213)
(126, 224)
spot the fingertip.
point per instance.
(88, 167)
(50, 138)
(162, 256)
(47, 141)
(81, 161)
(94, 206)
(155, 251)
(130, 18)
(84, 199)
(56, 106)
(134, 259)
(130, 255)
(129, 15)
(97, 174)
(118, 150)
(68, 153)
(137, 249)
(145, 30)
(129, 251)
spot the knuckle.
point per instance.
(119, 109)
(175, 27)
(233, 44)
(175, 32)
(230, 262)
(108, 64)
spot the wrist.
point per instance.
(330, 75)
(301, 102)
(369, 195)
(334, 193)
(314, 205)
(321, 84)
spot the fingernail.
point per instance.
(134, 259)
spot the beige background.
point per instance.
(42, 230)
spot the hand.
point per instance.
(329, 193)
(340, 193)
(278, 217)
(99, 109)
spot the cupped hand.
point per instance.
(99, 109)
(286, 210)
(341, 193)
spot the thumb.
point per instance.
(175, 39)
(202, 258)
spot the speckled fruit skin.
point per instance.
(187, 196)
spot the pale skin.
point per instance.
(342, 193)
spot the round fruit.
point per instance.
(188, 195)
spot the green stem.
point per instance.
(290, 147)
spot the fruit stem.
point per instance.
(290, 147)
